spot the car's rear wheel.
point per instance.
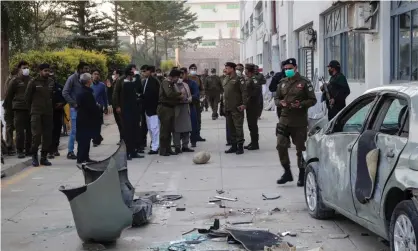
(404, 227)
(313, 198)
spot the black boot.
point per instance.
(20, 154)
(301, 179)
(240, 149)
(178, 150)
(35, 161)
(44, 160)
(233, 149)
(248, 146)
(253, 146)
(286, 177)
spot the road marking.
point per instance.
(19, 176)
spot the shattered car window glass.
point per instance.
(355, 123)
(391, 123)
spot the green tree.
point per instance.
(90, 30)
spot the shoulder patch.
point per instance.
(242, 81)
(255, 81)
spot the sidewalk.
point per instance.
(12, 165)
(37, 217)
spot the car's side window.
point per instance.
(354, 119)
(396, 117)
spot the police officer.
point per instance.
(58, 103)
(235, 101)
(9, 117)
(275, 82)
(38, 97)
(338, 89)
(213, 89)
(240, 70)
(169, 97)
(15, 100)
(203, 78)
(261, 81)
(254, 95)
(294, 96)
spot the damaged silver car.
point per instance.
(363, 164)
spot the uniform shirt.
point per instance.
(297, 88)
(168, 94)
(213, 85)
(15, 95)
(235, 93)
(38, 95)
(253, 90)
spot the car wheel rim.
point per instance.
(311, 195)
(404, 234)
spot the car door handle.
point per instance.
(390, 153)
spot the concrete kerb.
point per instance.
(13, 169)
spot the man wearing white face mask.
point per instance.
(239, 70)
(193, 76)
(15, 100)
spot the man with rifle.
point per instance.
(336, 91)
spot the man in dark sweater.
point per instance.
(274, 83)
(99, 91)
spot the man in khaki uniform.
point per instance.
(38, 97)
(254, 91)
(262, 81)
(235, 101)
(294, 96)
(16, 101)
(9, 117)
(213, 89)
(169, 97)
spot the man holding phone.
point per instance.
(235, 101)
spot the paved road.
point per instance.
(36, 216)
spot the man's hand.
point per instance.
(241, 108)
(118, 110)
(296, 104)
(331, 101)
(283, 103)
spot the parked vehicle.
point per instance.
(363, 164)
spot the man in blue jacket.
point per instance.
(72, 89)
(99, 91)
(194, 90)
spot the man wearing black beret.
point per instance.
(38, 97)
(235, 102)
(294, 96)
(338, 89)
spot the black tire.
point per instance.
(408, 209)
(320, 212)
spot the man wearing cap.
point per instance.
(275, 82)
(239, 70)
(254, 91)
(193, 76)
(235, 101)
(169, 97)
(261, 80)
(294, 96)
(213, 89)
(38, 97)
(338, 89)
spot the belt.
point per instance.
(167, 105)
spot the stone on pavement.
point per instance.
(201, 157)
(37, 217)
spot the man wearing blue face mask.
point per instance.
(294, 95)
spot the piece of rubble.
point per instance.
(270, 196)
(337, 236)
(226, 198)
(180, 209)
(220, 191)
(93, 247)
(188, 232)
(288, 233)
(201, 157)
(306, 231)
(284, 246)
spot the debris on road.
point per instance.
(220, 191)
(172, 197)
(288, 233)
(241, 222)
(188, 232)
(274, 210)
(270, 196)
(337, 236)
(254, 240)
(93, 247)
(284, 246)
(306, 231)
(181, 209)
(226, 198)
(201, 158)
(216, 226)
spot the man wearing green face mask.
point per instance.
(294, 96)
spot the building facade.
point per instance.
(218, 23)
(376, 49)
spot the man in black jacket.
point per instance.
(88, 118)
(274, 83)
(338, 89)
(150, 103)
(58, 103)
